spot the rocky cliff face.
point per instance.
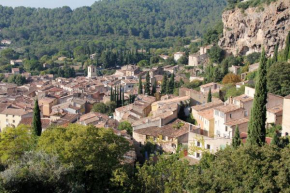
(249, 31)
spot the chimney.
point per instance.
(231, 100)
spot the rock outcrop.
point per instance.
(249, 30)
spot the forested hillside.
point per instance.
(109, 23)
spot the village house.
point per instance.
(203, 114)
(164, 57)
(167, 137)
(12, 115)
(47, 103)
(93, 118)
(178, 55)
(15, 71)
(199, 58)
(7, 42)
(8, 88)
(234, 69)
(215, 87)
(16, 62)
(285, 117)
(171, 69)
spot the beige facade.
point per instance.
(286, 115)
(47, 103)
(12, 116)
(92, 71)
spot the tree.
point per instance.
(111, 95)
(140, 88)
(275, 139)
(278, 79)
(231, 78)
(287, 47)
(257, 128)
(153, 91)
(125, 125)
(94, 153)
(100, 108)
(37, 172)
(221, 95)
(164, 84)
(36, 122)
(168, 174)
(236, 141)
(147, 84)
(246, 169)
(209, 96)
(170, 85)
(216, 54)
(275, 57)
(14, 142)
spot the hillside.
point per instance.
(112, 22)
(248, 29)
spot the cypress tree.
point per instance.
(164, 84)
(140, 88)
(236, 141)
(221, 95)
(147, 84)
(209, 96)
(120, 96)
(170, 85)
(275, 140)
(257, 128)
(287, 48)
(153, 88)
(111, 96)
(123, 98)
(275, 57)
(36, 122)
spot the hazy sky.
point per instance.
(47, 3)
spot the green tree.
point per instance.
(209, 96)
(169, 174)
(14, 142)
(164, 84)
(36, 172)
(278, 79)
(287, 47)
(236, 141)
(170, 85)
(153, 91)
(140, 87)
(275, 57)
(257, 128)
(275, 139)
(216, 54)
(125, 125)
(147, 84)
(94, 153)
(100, 108)
(36, 122)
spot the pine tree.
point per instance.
(257, 127)
(36, 122)
(275, 140)
(164, 84)
(209, 96)
(147, 84)
(236, 141)
(287, 48)
(153, 88)
(140, 88)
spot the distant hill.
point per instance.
(110, 21)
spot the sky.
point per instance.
(47, 3)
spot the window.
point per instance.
(246, 113)
(198, 155)
(216, 113)
(230, 115)
(6, 115)
(13, 115)
(221, 114)
(198, 144)
(13, 121)
(226, 128)
(208, 146)
(6, 120)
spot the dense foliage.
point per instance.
(47, 31)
